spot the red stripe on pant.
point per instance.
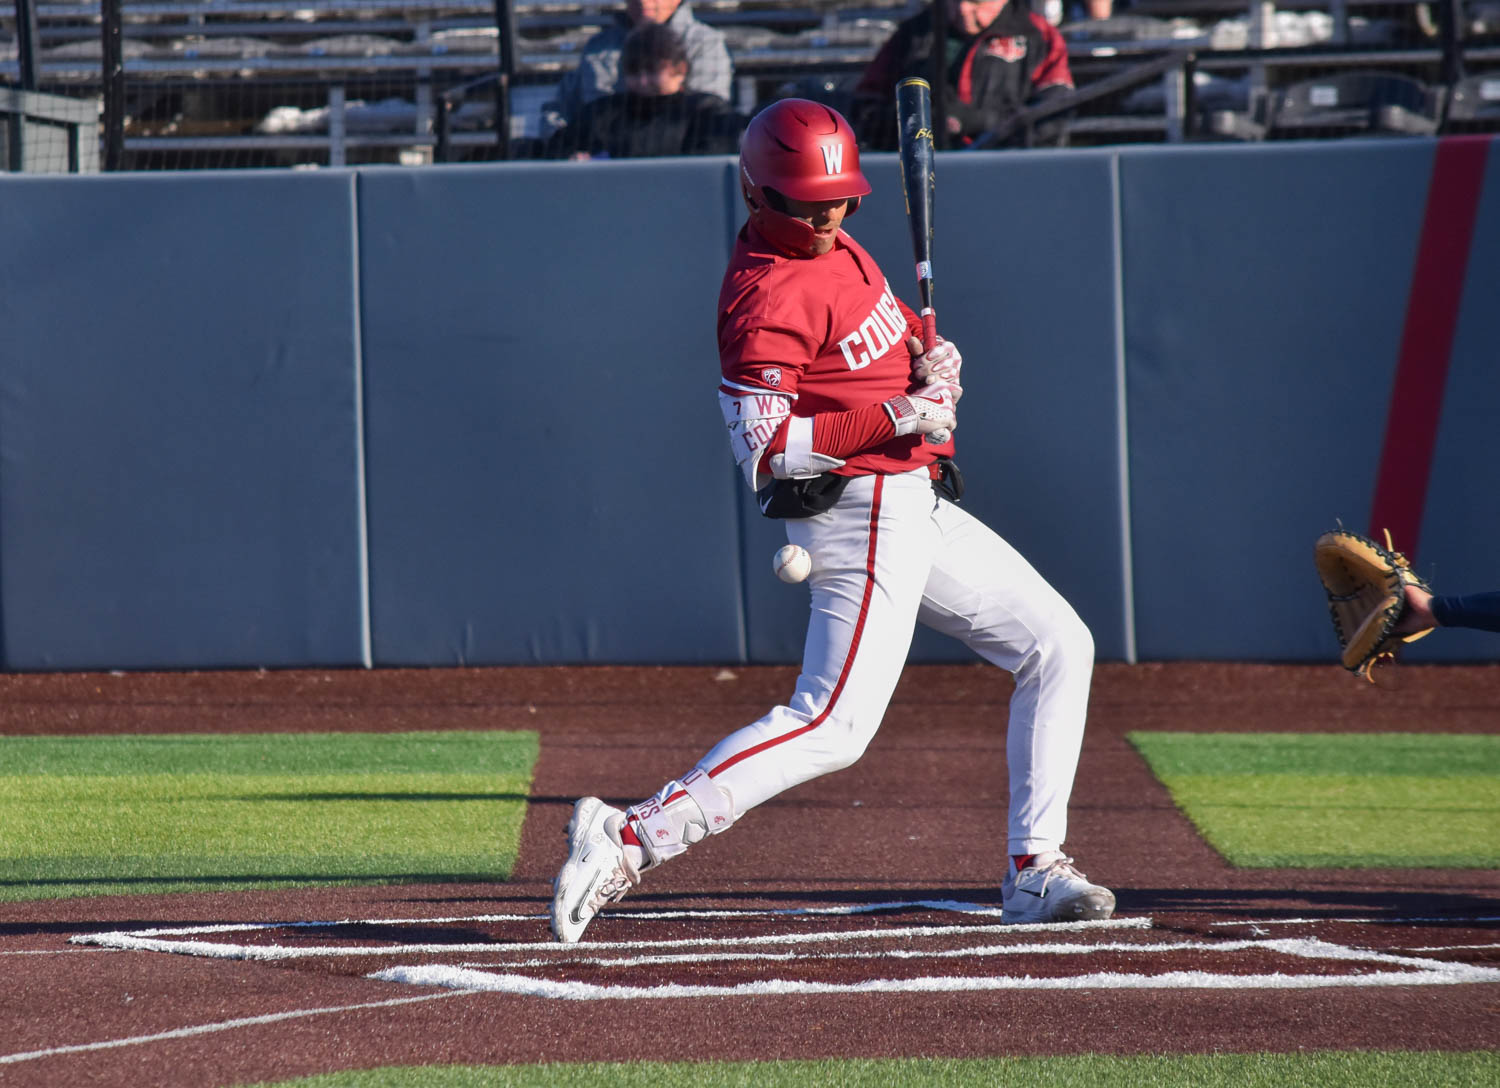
(843, 671)
(859, 627)
(838, 687)
(1432, 309)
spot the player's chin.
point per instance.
(823, 243)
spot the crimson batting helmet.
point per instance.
(803, 150)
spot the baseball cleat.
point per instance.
(1051, 890)
(596, 872)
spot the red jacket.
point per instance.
(1010, 64)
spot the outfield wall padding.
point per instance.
(546, 467)
(179, 466)
(466, 415)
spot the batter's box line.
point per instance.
(520, 985)
(1397, 920)
(1291, 946)
(953, 905)
(151, 940)
(1418, 972)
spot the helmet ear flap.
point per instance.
(853, 205)
(747, 190)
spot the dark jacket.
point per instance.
(1013, 62)
(625, 126)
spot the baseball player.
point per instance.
(829, 401)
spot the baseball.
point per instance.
(792, 563)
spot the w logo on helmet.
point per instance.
(833, 158)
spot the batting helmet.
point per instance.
(803, 150)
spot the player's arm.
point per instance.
(1477, 610)
(757, 396)
(767, 440)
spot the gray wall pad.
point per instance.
(546, 460)
(192, 362)
(178, 422)
(1264, 300)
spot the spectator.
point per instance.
(999, 58)
(710, 70)
(653, 115)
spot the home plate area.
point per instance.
(917, 946)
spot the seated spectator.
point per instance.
(598, 72)
(654, 114)
(1001, 57)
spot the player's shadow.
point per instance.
(1375, 902)
(357, 795)
(763, 897)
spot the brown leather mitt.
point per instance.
(1366, 588)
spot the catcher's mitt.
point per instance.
(1366, 587)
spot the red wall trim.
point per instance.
(1432, 308)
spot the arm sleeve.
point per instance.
(1480, 611)
(843, 434)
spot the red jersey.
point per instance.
(826, 331)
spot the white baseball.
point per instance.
(792, 563)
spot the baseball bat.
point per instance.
(919, 184)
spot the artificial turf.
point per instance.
(1336, 800)
(1314, 1069)
(152, 813)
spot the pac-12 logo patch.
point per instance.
(771, 375)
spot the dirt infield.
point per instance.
(854, 916)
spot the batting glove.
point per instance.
(942, 364)
(924, 413)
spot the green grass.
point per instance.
(1318, 1069)
(110, 815)
(1307, 800)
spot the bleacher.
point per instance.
(245, 82)
(287, 82)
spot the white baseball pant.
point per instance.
(888, 554)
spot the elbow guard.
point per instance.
(753, 418)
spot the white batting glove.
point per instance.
(943, 364)
(924, 413)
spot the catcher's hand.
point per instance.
(1366, 588)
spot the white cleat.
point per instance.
(1051, 890)
(596, 873)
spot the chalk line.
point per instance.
(521, 985)
(222, 1025)
(276, 952)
